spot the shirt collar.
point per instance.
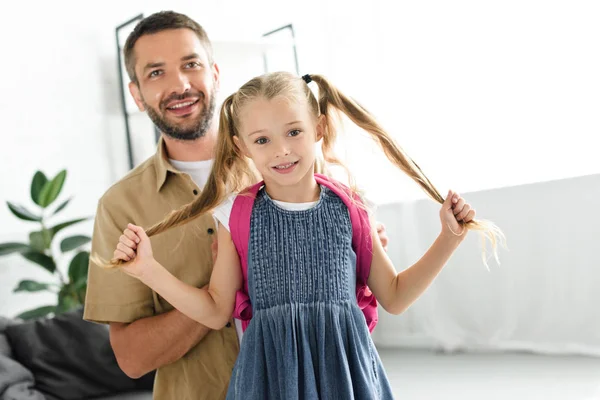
(163, 166)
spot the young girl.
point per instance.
(307, 338)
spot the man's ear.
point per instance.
(216, 76)
(321, 127)
(241, 146)
(137, 96)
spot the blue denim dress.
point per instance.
(308, 338)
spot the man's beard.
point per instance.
(192, 130)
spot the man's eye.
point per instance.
(155, 73)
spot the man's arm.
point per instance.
(148, 343)
(140, 340)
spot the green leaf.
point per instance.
(67, 299)
(37, 312)
(38, 182)
(73, 242)
(62, 226)
(8, 248)
(31, 286)
(40, 240)
(41, 259)
(23, 213)
(81, 285)
(52, 189)
(36, 241)
(62, 206)
(78, 268)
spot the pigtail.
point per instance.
(331, 99)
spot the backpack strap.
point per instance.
(239, 227)
(362, 244)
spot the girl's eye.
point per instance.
(295, 132)
(261, 140)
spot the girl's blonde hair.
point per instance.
(232, 171)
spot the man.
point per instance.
(174, 79)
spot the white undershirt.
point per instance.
(197, 170)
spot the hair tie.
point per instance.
(307, 79)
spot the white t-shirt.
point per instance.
(223, 212)
(197, 170)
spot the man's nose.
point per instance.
(180, 84)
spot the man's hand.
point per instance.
(382, 235)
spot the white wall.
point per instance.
(59, 111)
(481, 94)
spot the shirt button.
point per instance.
(210, 231)
(228, 325)
(195, 192)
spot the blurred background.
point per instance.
(499, 101)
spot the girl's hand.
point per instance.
(134, 247)
(453, 211)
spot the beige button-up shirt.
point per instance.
(143, 197)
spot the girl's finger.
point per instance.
(131, 235)
(464, 212)
(447, 205)
(455, 198)
(458, 206)
(138, 231)
(470, 216)
(119, 255)
(126, 250)
(127, 242)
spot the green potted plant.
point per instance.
(70, 287)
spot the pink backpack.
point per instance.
(239, 225)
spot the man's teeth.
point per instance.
(285, 166)
(183, 105)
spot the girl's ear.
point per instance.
(321, 125)
(241, 146)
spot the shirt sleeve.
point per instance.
(112, 295)
(223, 211)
